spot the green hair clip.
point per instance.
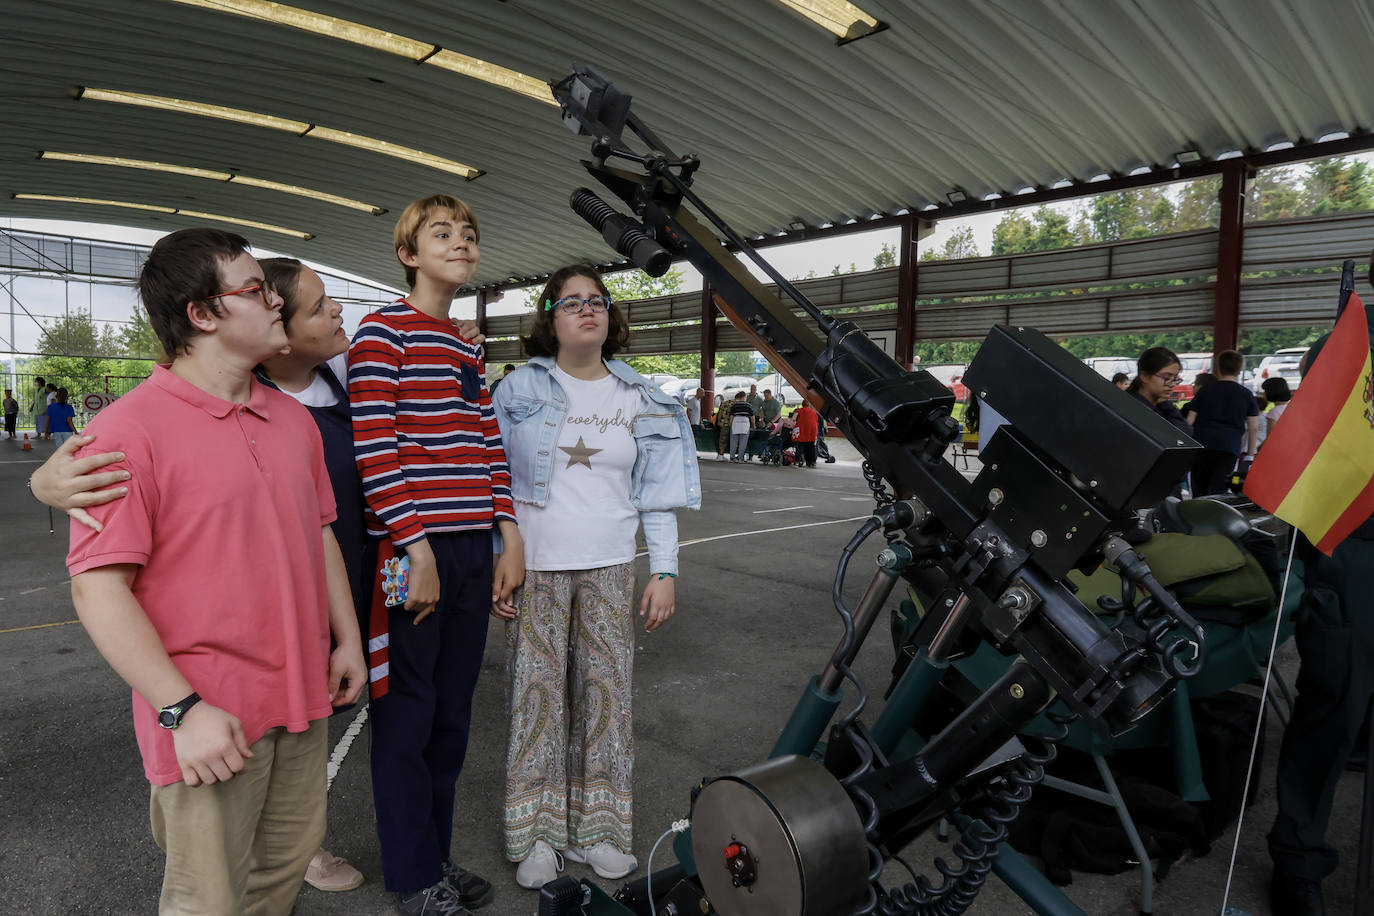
(548, 305)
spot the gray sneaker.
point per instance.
(472, 889)
(436, 900)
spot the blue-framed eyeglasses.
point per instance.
(575, 305)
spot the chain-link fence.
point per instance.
(87, 394)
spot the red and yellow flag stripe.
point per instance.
(1316, 470)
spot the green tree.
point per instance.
(735, 362)
(886, 257)
(960, 244)
(954, 351)
(630, 285)
(137, 338)
(684, 365)
(1339, 185)
(77, 353)
(1013, 234)
(1199, 205)
(1274, 194)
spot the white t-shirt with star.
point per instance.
(588, 521)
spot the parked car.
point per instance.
(949, 376)
(681, 388)
(1108, 366)
(727, 385)
(1191, 365)
(783, 391)
(1282, 364)
(663, 380)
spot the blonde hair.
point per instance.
(417, 214)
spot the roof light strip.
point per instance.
(381, 40)
(842, 19)
(213, 175)
(299, 128)
(195, 214)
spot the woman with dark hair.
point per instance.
(1277, 393)
(595, 452)
(1157, 372)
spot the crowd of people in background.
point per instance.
(1225, 417)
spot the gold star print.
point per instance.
(579, 453)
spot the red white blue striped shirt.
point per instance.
(424, 434)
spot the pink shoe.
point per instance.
(328, 872)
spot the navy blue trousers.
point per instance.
(420, 727)
(1334, 631)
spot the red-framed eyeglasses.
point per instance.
(264, 291)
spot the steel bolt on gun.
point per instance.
(808, 833)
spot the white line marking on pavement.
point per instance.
(30, 591)
(855, 499)
(740, 534)
(788, 509)
(341, 749)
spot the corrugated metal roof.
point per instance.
(986, 96)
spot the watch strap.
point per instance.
(170, 716)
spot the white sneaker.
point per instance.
(604, 858)
(540, 867)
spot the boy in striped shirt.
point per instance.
(436, 482)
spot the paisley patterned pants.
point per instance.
(571, 754)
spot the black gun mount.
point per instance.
(1060, 482)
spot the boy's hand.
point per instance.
(509, 571)
(658, 602)
(347, 674)
(422, 588)
(468, 330)
(210, 745)
(67, 483)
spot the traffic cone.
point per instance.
(27, 446)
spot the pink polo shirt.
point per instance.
(223, 519)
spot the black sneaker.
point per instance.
(435, 900)
(473, 890)
(1290, 895)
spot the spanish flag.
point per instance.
(1316, 469)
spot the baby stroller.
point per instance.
(779, 449)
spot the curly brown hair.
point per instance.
(542, 341)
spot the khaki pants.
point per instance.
(242, 846)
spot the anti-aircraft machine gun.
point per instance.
(1060, 484)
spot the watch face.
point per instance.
(167, 718)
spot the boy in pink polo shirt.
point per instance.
(213, 588)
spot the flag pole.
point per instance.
(1347, 285)
(1363, 905)
(1260, 719)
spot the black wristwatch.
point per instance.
(170, 717)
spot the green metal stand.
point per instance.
(807, 723)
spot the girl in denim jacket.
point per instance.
(596, 453)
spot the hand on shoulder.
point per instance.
(74, 484)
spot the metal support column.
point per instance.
(481, 318)
(1235, 174)
(906, 292)
(708, 347)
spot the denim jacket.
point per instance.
(531, 407)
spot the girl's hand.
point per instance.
(71, 484)
(658, 602)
